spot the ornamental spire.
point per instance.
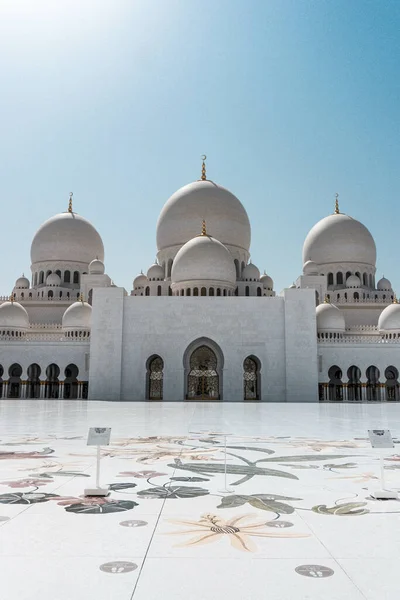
(203, 228)
(327, 300)
(70, 202)
(12, 298)
(81, 298)
(395, 301)
(203, 168)
(337, 211)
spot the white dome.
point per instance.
(389, 319)
(353, 281)
(330, 319)
(66, 237)
(53, 279)
(251, 273)
(339, 239)
(202, 259)
(155, 273)
(96, 267)
(77, 316)
(310, 268)
(224, 214)
(384, 285)
(140, 281)
(22, 283)
(14, 315)
(267, 281)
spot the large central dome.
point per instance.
(67, 237)
(226, 218)
(339, 238)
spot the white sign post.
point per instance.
(381, 439)
(98, 436)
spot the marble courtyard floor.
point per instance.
(296, 523)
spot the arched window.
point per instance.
(169, 291)
(237, 267)
(392, 383)
(251, 382)
(335, 385)
(339, 278)
(188, 291)
(76, 276)
(259, 292)
(211, 292)
(365, 279)
(356, 296)
(71, 382)
(48, 273)
(52, 382)
(224, 292)
(169, 267)
(330, 278)
(203, 379)
(22, 295)
(50, 294)
(218, 291)
(182, 292)
(155, 378)
(203, 291)
(247, 291)
(348, 275)
(147, 291)
(58, 272)
(67, 276)
(354, 384)
(35, 279)
(159, 290)
(236, 292)
(33, 382)
(14, 381)
(60, 294)
(373, 385)
(41, 277)
(358, 275)
(196, 292)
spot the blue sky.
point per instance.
(116, 100)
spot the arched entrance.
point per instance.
(52, 382)
(71, 382)
(354, 384)
(392, 383)
(33, 383)
(155, 378)
(373, 385)
(203, 379)
(335, 385)
(251, 378)
(14, 381)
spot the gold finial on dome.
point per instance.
(203, 168)
(203, 228)
(395, 301)
(327, 300)
(337, 211)
(81, 298)
(12, 298)
(70, 202)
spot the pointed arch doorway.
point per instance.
(203, 366)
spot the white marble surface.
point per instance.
(176, 532)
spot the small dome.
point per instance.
(225, 215)
(77, 316)
(13, 315)
(330, 319)
(389, 319)
(339, 238)
(204, 259)
(310, 268)
(267, 281)
(251, 273)
(384, 285)
(53, 279)
(155, 273)
(96, 267)
(22, 283)
(140, 281)
(66, 237)
(353, 281)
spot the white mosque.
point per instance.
(203, 323)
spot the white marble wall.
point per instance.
(127, 330)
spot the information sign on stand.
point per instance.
(98, 436)
(382, 439)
